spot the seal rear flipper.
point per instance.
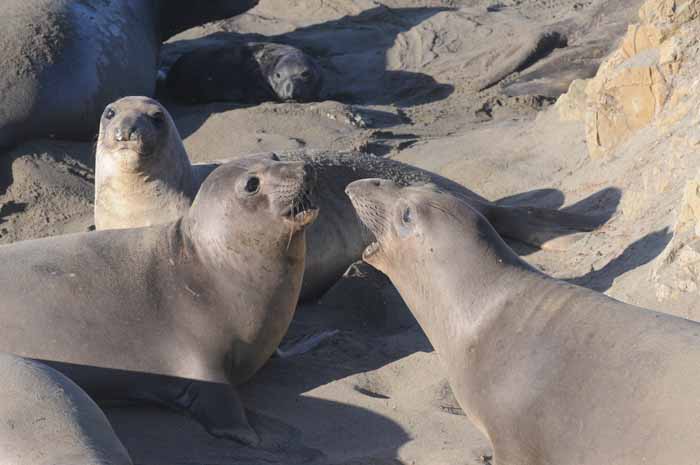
(219, 409)
(541, 227)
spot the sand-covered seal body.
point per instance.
(552, 373)
(244, 72)
(64, 60)
(174, 313)
(48, 420)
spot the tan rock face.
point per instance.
(634, 84)
(677, 270)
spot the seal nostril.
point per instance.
(376, 182)
(126, 134)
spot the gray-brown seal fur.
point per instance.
(158, 188)
(64, 60)
(46, 419)
(552, 373)
(175, 313)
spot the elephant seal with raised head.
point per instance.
(550, 372)
(177, 313)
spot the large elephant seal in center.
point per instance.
(173, 313)
(552, 373)
(46, 419)
(137, 186)
(64, 60)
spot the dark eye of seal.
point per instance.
(158, 117)
(109, 114)
(407, 216)
(252, 185)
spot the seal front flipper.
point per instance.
(219, 409)
(541, 227)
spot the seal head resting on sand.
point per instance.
(550, 372)
(244, 72)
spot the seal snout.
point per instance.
(126, 133)
(295, 193)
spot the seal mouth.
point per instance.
(139, 149)
(302, 211)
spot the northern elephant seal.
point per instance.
(157, 189)
(552, 373)
(48, 420)
(245, 72)
(173, 313)
(64, 60)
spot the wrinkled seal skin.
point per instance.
(336, 240)
(64, 60)
(175, 313)
(244, 72)
(552, 373)
(48, 420)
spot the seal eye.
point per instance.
(157, 117)
(306, 75)
(278, 75)
(109, 114)
(252, 185)
(407, 216)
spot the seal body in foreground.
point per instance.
(64, 60)
(135, 186)
(174, 313)
(552, 373)
(48, 420)
(245, 72)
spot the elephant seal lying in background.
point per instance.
(244, 72)
(147, 178)
(550, 372)
(48, 420)
(64, 60)
(177, 313)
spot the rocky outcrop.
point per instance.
(677, 270)
(635, 83)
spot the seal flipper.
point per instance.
(541, 227)
(219, 409)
